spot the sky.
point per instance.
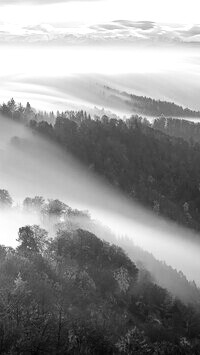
(99, 21)
(44, 39)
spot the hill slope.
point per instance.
(77, 294)
(148, 106)
(161, 172)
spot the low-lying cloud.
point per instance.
(114, 32)
(143, 25)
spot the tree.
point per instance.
(19, 112)
(55, 208)
(28, 113)
(32, 239)
(36, 203)
(5, 199)
(11, 106)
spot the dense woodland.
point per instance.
(160, 171)
(64, 290)
(189, 131)
(70, 292)
(153, 164)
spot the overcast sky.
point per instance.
(99, 21)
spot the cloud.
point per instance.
(143, 25)
(125, 24)
(107, 26)
(119, 32)
(191, 32)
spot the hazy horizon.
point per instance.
(46, 46)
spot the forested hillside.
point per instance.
(73, 293)
(150, 107)
(63, 288)
(189, 131)
(158, 169)
(161, 172)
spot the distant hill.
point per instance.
(150, 107)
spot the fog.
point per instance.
(11, 221)
(74, 77)
(31, 165)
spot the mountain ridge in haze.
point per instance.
(151, 107)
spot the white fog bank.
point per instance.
(72, 77)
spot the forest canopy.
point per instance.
(70, 292)
(156, 163)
